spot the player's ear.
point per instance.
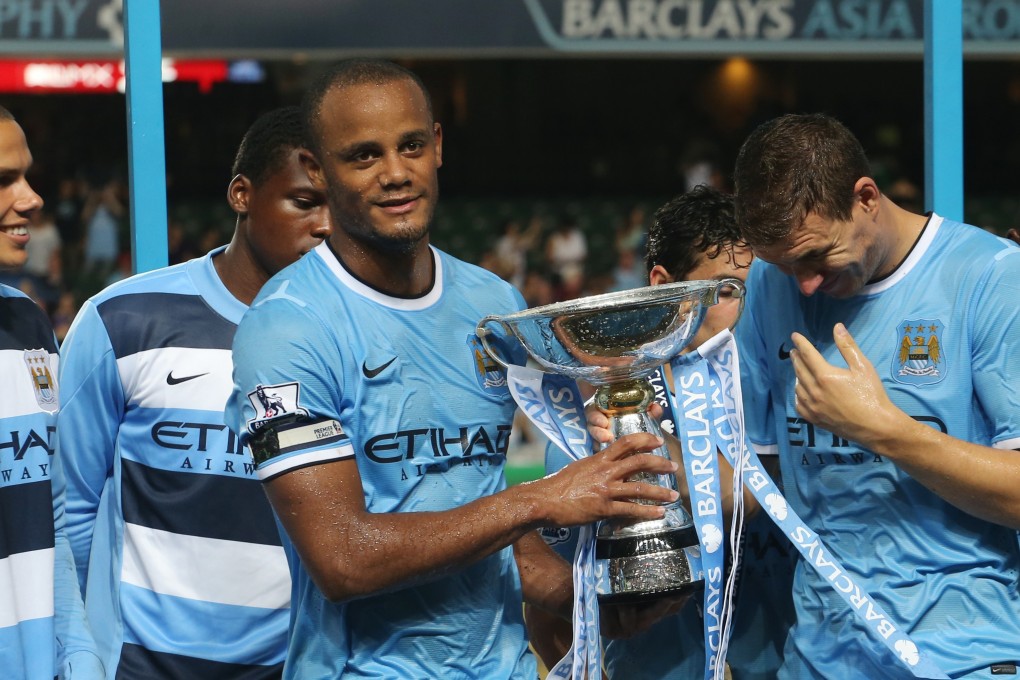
(659, 276)
(312, 166)
(238, 194)
(867, 194)
(437, 131)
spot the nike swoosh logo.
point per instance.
(372, 372)
(171, 380)
(784, 353)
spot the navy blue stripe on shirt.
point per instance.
(196, 504)
(144, 321)
(26, 518)
(138, 663)
(23, 325)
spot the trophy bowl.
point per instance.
(616, 342)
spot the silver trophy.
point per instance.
(616, 342)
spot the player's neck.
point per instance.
(239, 272)
(399, 274)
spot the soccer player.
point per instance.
(177, 548)
(386, 465)
(693, 237)
(884, 348)
(43, 633)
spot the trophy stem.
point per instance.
(644, 560)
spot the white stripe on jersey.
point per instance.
(26, 587)
(1007, 444)
(277, 465)
(178, 377)
(207, 569)
(766, 449)
(18, 397)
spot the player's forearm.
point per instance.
(382, 552)
(546, 578)
(980, 480)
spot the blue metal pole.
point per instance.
(943, 107)
(147, 161)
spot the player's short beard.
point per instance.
(404, 242)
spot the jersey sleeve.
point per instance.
(92, 405)
(996, 348)
(285, 405)
(77, 656)
(759, 418)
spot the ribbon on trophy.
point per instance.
(690, 413)
(553, 403)
(721, 361)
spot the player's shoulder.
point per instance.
(979, 252)
(172, 279)
(476, 280)
(26, 325)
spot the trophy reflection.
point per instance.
(616, 342)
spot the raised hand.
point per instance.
(849, 402)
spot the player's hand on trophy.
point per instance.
(620, 621)
(598, 421)
(849, 402)
(600, 487)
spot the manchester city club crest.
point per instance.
(490, 375)
(920, 358)
(44, 383)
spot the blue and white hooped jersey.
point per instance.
(402, 387)
(943, 332)
(177, 548)
(42, 622)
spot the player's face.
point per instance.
(287, 216)
(380, 154)
(17, 199)
(828, 256)
(727, 264)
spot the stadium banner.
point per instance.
(325, 29)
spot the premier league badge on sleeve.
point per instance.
(920, 358)
(274, 402)
(43, 383)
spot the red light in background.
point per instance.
(21, 76)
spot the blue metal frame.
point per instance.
(943, 107)
(147, 159)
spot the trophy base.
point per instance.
(641, 568)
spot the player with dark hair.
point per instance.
(692, 237)
(43, 632)
(881, 355)
(177, 548)
(386, 468)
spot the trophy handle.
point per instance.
(739, 292)
(483, 336)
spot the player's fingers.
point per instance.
(630, 444)
(847, 346)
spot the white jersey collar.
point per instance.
(913, 258)
(348, 279)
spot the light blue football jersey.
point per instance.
(943, 332)
(674, 648)
(176, 545)
(402, 386)
(42, 621)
